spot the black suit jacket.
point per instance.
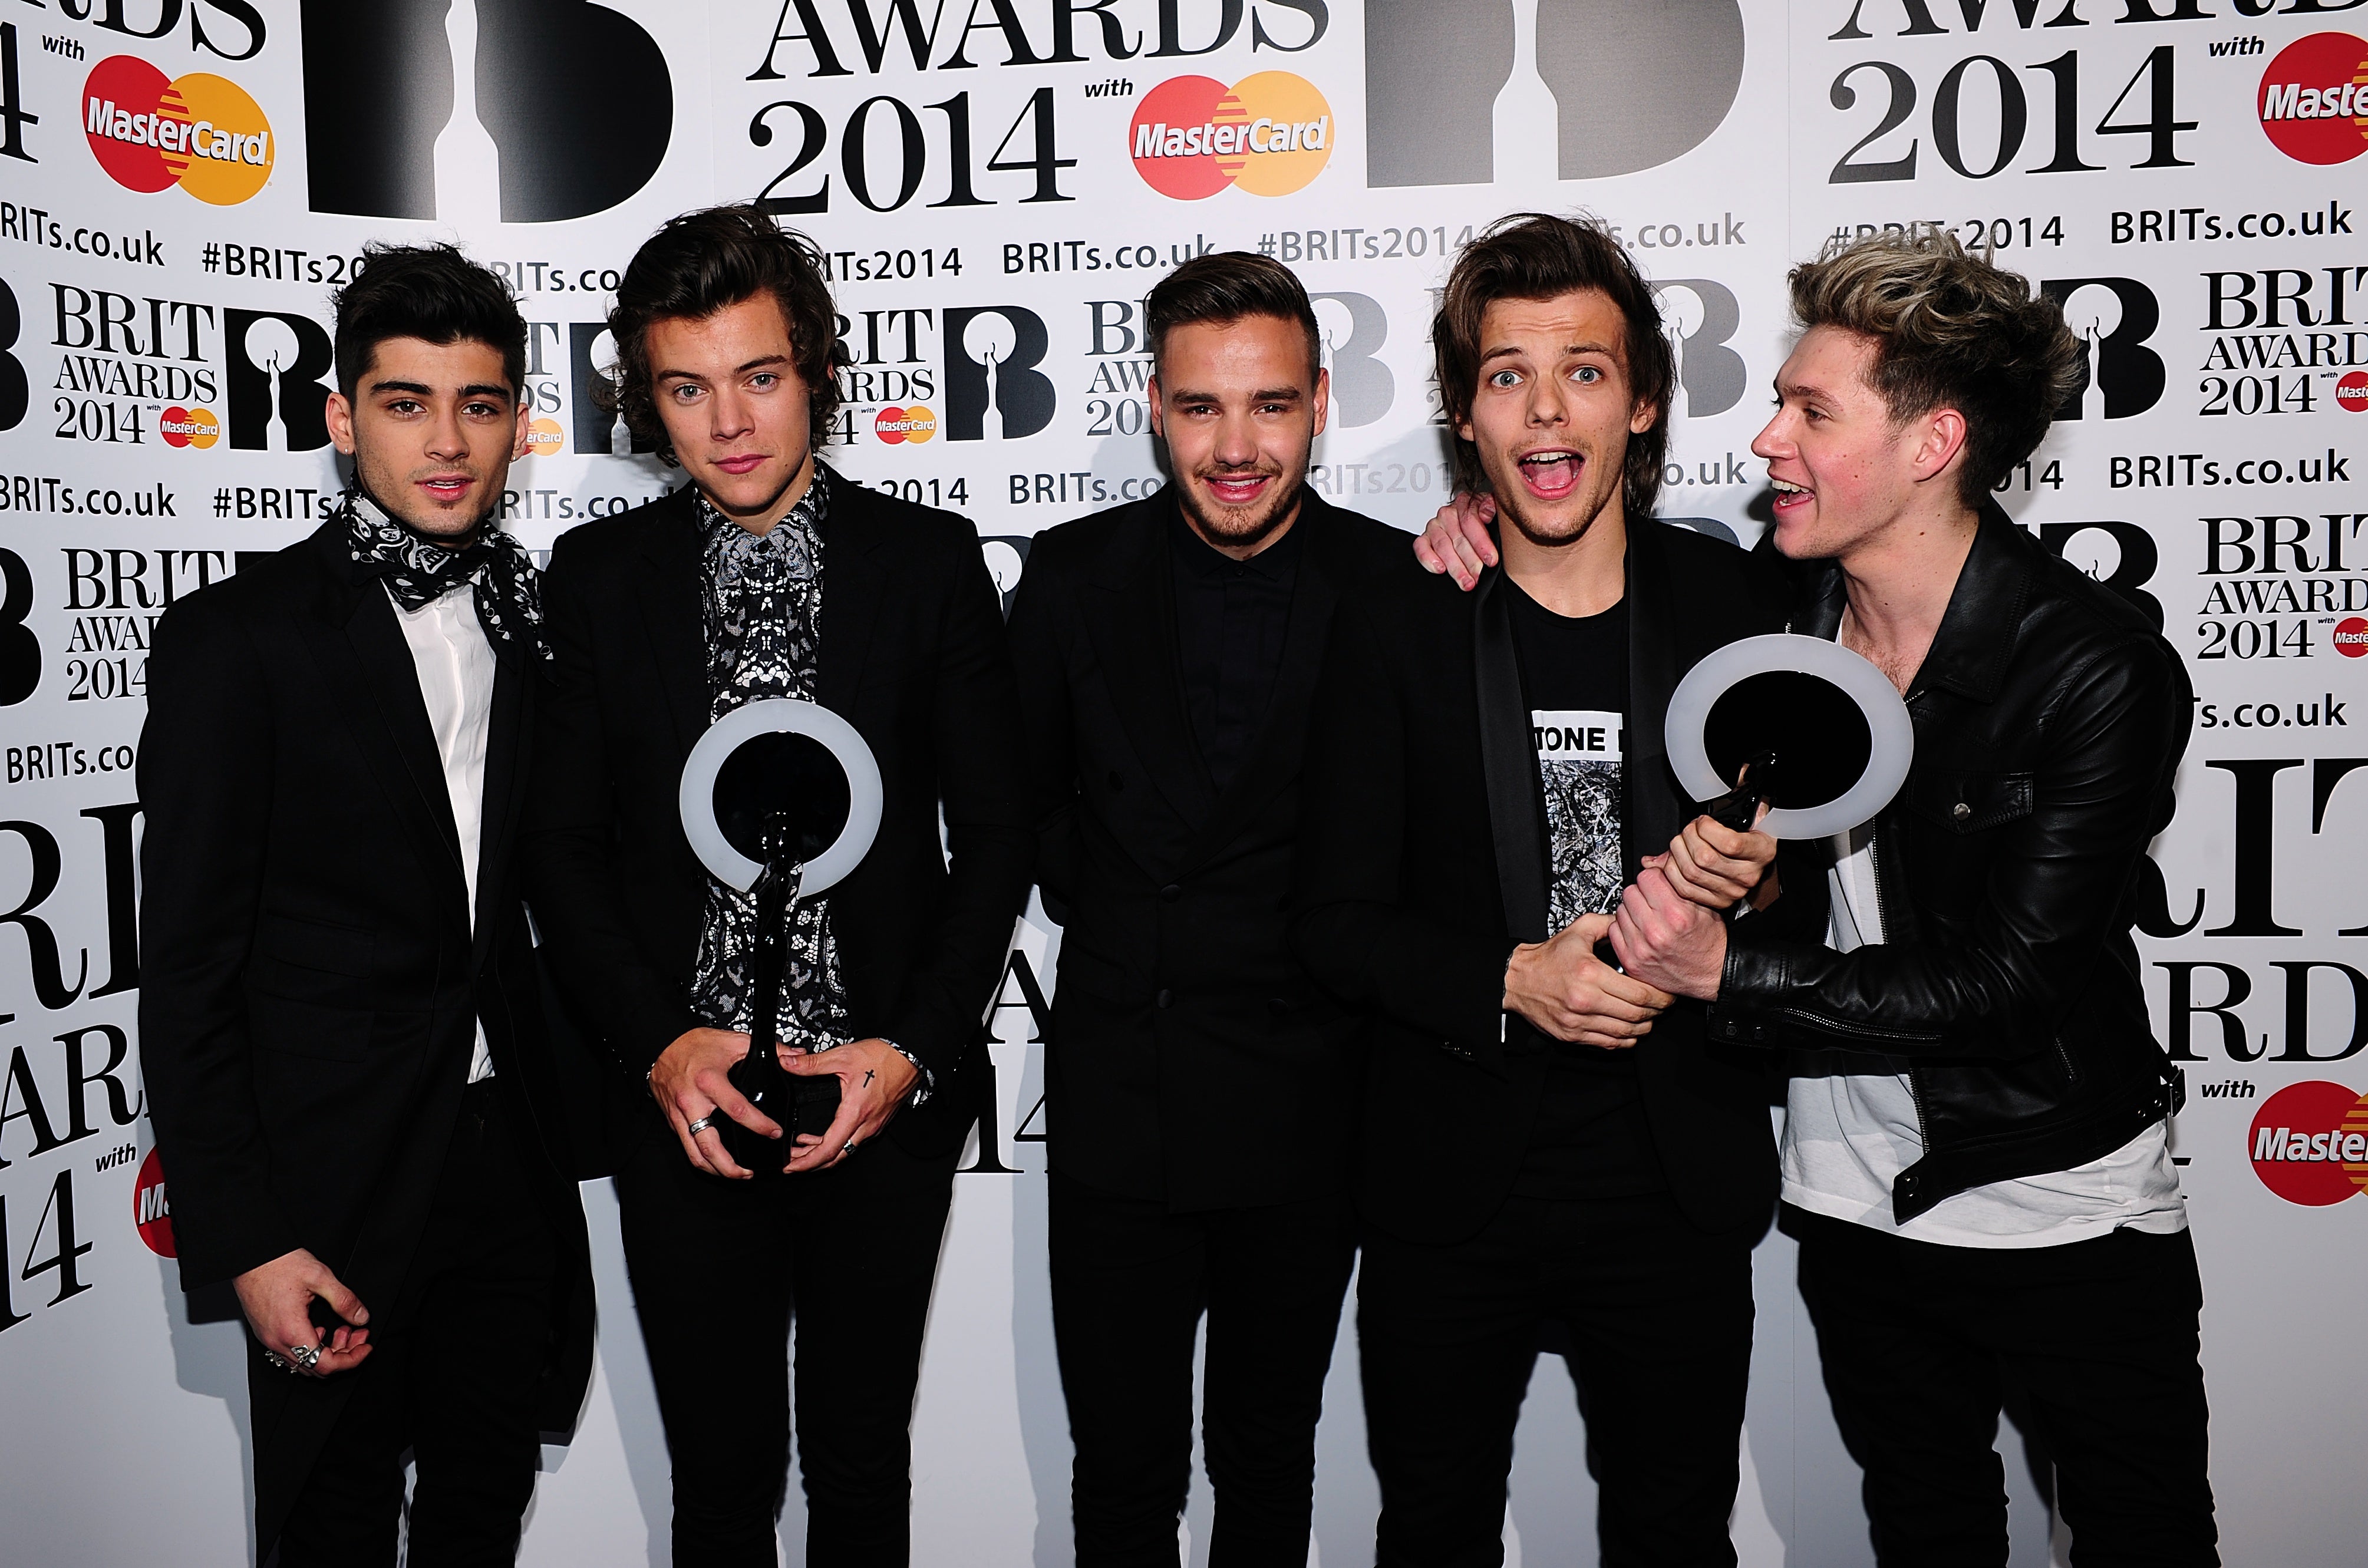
(1191, 1059)
(913, 655)
(1401, 909)
(310, 984)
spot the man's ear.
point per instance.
(340, 416)
(1323, 400)
(1159, 415)
(1940, 438)
(1647, 415)
(525, 417)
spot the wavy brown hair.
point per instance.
(1532, 255)
(1951, 330)
(707, 261)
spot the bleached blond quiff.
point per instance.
(1951, 330)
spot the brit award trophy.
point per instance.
(780, 798)
(1805, 725)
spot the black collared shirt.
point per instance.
(1231, 618)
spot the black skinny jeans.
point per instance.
(1918, 1341)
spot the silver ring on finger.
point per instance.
(702, 1125)
(304, 1356)
(277, 1360)
(847, 1148)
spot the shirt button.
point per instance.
(1166, 998)
(1170, 893)
(1962, 811)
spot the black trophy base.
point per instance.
(800, 1105)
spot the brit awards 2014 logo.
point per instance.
(151, 132)
(1269, 134)
(2314, 98)
(2309, 1143)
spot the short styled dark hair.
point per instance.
(1225, 286)
(431, 292)
(708, 261)
(1532, 255)
(1950, 330)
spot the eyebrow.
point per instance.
(756, 364)
(1267, 395)
(1506, 350)
(421, 389)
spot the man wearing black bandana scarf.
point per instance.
(341, 1031)
(771, 576)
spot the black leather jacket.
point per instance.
(2049, 719)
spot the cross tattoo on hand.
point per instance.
(867, 1075)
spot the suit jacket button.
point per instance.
(1962, 811)
(1166, 998)
(1170, 893)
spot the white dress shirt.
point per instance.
(456, 680)
(1849, 1132)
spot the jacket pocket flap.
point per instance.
(1970, 803)
(314, 944)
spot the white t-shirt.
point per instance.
(456, 680)
(1849, 1132)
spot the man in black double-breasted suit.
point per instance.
(1202, 1093)
(769, 577)
(356, 1101)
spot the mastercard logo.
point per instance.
(544, 438)
(189, 427)
(1269, 134)
(896, 426)
(2309, 1143)
(2351, 637)
(2351, 392)
(2314, 98)
(151, 132)
(150, 1211)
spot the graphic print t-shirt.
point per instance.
(1590, 1139)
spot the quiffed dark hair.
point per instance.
(1950, 330)
(707, 261)
(1225, 286)
(431, 292)
(1530, 256)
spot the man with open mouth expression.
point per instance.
(1486, 776)
(1200, 1091)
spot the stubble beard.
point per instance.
(1237, 528)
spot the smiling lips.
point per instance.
(1789, 495)
(449, 486)
(1551, 473)
(1236, 489)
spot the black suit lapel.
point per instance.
(1508, 763)
(1649, 819)
(506, 770)
(671, 616)
(854, 590)
(1130, 616)
(363, 648)
(1274, 754)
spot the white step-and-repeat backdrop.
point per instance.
(997, 183)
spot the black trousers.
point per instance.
(1920, 1341)
(1659, 1323)
(453, 1380)
(1130, 1283)
(716, 1267)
